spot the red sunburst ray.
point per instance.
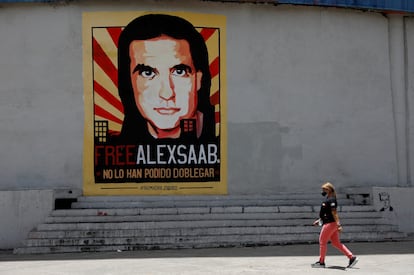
(215, 67)
(114, 33)
(215, 98)
(102, 59)
(206, 33)
(99, 111)
(110, 98)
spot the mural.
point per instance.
(385, 198)
(154, 103)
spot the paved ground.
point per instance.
(374, 258)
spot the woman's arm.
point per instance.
(336, 217)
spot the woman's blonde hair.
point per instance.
(329, 186)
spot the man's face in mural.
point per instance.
(165, 83)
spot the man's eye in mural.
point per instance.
(148, 74)
(181, 70)
(145, 71)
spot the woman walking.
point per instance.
(331, 227)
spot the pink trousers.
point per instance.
(328, 233)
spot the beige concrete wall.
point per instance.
(313, 94)
(409, 77)
(20, 212)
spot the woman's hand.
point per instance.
(316, 223)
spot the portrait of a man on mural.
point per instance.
(170, 127)
(164, 81)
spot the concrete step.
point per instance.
(169, 224)
(103, 216)
(59, 237)
(171, 237)
(210, 241)
(167, 204)
(207, 198)
(202, 210)
(121, 224)
(294, 199)
(207, 209)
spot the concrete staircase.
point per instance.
(138, 223)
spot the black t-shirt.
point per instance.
(327, 206)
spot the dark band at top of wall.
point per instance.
(397, 6)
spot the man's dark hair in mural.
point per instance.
(140, 77)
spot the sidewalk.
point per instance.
(374, 258)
